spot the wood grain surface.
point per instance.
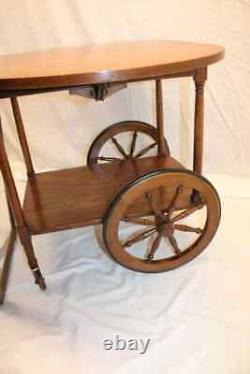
(77, 197)
(99, 63)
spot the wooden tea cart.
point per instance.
(138, 187)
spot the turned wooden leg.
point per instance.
(199, 79)
(8, 249)
(159, 116)
(22, 136)
(26, 242)
(18, 221)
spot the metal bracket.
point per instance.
(99, 92)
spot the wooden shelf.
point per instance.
(77, 197)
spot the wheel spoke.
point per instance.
(133, 143)
(172, 203)
(187, 228)
(145, 150)
(140, 221)
(174, 244)
(154, 247)
(138, 237)
(110, 159)
(119, 147)
(187, 212)
(152, 205)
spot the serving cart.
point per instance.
(142, 196)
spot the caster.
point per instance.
(153, 226)
(124, 140)
(39, 280)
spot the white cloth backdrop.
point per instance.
(197, 317)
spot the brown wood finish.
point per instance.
(152, 189)
(78, 197)
(8, 249)
(7, 93)
(18, 217)
(22, 136)
(199, 79)
(103, 63)
(9, 182)
(82, 196)
(134, 128)
(159, 116)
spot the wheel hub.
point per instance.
(166, 229)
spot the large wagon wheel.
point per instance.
(153, 225)
(124, 140)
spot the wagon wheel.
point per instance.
(153, 226)
(123, 140)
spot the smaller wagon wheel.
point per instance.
(124, 140)
(153, 225)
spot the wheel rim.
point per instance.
(124, 140)
(161, 223)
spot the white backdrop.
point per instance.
(196, 317)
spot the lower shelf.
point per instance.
(78, 197)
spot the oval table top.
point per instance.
(103, 63)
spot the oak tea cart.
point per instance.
(131, 185)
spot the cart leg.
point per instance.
(199, 79)
(26, 242)
(18, 216)
(8, 250)
(22, 136)
(160, 117)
